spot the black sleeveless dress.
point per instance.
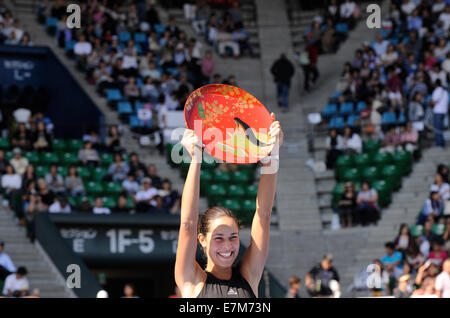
(236, 287)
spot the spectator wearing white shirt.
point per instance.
(436, 73)
(130, 185)
(442, 186)
(60, 206)
(346, 10)
(17, 285)
(19, 163)
(6, 264)
(351, 142)
(144, 198)
(380, 45)
(99, 208)
(439, 102)
(445, 18)
(442, 284)
(82, 50)
(407, 7)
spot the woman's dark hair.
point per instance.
(212, 214)
(401, 228)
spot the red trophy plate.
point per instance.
(232, 124)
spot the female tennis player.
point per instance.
(218, 234)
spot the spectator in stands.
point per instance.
(394, 87)
(144, 198)
(130, 185)
(414, 257)
(391, 141)
(409, 138)
(41, 139)
(47, 196)
(16, 284)
(73, 183)
(443, 170)
(129, 291)
(170, 197)
(442, 284)
(6, 264)
(60, 206)
(351, 141)
(122, 206)
(439, 102)
(99, 208)
(437, 255)
(135, 164)
(429, 270)
(382, 277)
(11, 182)
(403, 290)
(22, 137)
(153, 175)
(380, 45)
(132, 90)
(432, 207)
(55, 181)
(333, 145)
(88, 156)
(294, 287)
(426, 289)
(208, 67)
(3, 162)
(367, 211)
(403, 239)
(149, 91)
(328, 42)
(347, 11)
(319, 277)
(282, 70)
(119, 169)
(347, 205)
(443, 187)
(114, 143)
(392, 261)
(415, 108)
(82, 50)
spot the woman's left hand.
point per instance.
(275, 131)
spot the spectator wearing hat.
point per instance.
(99, 208)
(433, 206)
(319, 277)
(442, 284)
(144, 197)
(18, 162)
(6, 264)
(16, 284)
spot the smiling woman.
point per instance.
(218, 234)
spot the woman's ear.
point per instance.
(202, 240)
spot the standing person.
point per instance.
(218, 234)
(282, 71)
(294, 287)
(319, 277)
(442, 284)
(439, 102)
(310, 70)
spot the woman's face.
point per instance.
(405, 230)
(222, 242)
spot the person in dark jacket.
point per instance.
(319, 277)
(282, 71)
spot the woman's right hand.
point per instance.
(193, 145)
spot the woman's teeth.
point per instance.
(225, 254)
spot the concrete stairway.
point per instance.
(24, 253)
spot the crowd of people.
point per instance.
(11, 33)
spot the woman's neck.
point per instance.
(220, 273)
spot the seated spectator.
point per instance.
(328, 42)
(347, 11)
(426, 289)
(170, 197)
(351, 141)
(394, 87)
(319, 277)
(347, 205)
(428, 234)
(403, 239)
(85, 205)
(433, 206)
(429, 270)
(18, 162)
(443, 187)
(6, 264)
(10, 182)
(391, 141)
(114, 143)
(294, 287)
(122, 205)
(119, 169)
(88, 156)
(382, 277)
(333, 145)
(99, 208)
(55, 181)
(47, 196)
(129, 185)
(22, 138)
(367, 211)
(93, 137)
(153, 175)
(403, 290)
(392, 261)
(41, 139)
(414, 257)
(3, 162)
(149, 90)
(29, 176)
(442, 284)
(82, 50)
(73, 183)
(444, 171)
(132, 90)
(437, 255)
(16, 284)
(208, 67)
(409, 138)
(60, 206)
(144, 197)
(158, 206)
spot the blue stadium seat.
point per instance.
(113, 95)
(342, 28)
(346, 109)
(388, 118)
(393, 41)
(360, 106)
(172, 70)
(51, 22)
(135, 122)
(139, 50)
(160, 28)
(138, 105)
(140, 38)
(139, 82)
(337, 94)
(69, 45)
(351, 120)
(124, 108)
(385, 33)
(124, 36)
(329, 110)
(337, 122)
(401, 118)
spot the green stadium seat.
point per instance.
(94, 188)
(241, 176)
(5, 143)
(113, 188)
(49, 158)
(109, 202)
(246, 213)
(69, 158)
(382, 159)
(232, 204)
(403, 160)
(220, 176)
(371, 146)
(362, 160)
(81, 199)
(236, 190)
(416, 230)
(370, 174)
(251, 167)
(98, 173)
(126, 157)
(130, 203)
(384, 192)
(32, 156)
(41, 171)
(343, 162)
(215, 193)
(206, 178)
(84, 172)
(62, 170)
(8, 155)
(74, 144)
(351, 174)
(72, 201)
(338, 190)
(184, 168)
(251, 191)
(438, 229)
(106, 159)
(59, 145)
(392, 175)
